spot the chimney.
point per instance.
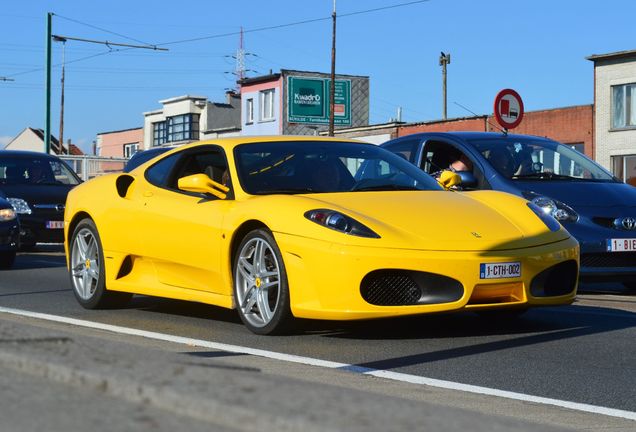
(233, 98)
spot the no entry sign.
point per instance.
(508, 108)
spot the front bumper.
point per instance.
(597, 263)
(325, 278)
(9, 236)
(34, 227)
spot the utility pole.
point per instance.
(47, 86)
(47, 120)
(61, 137)
(332, 84)
(444, 59)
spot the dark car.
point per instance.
(9, 233)
(36, 185)
(144, 156)
(592, 204)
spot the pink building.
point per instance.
(122, 143)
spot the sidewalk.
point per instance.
(58, 378)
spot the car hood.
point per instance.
(38, 194)
(431, 220)
(583, 194)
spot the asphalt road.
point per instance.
(583, 353)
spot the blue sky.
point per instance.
(535, 47)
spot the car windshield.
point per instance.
(144, 156)
(32, 171)
(325, 166)
(519, 158)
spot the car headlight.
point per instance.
(19, 205)
(7, 214)
(558, 210)
(547, 219)
(340, 222)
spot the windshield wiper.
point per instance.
(546, 175)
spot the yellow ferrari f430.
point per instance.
(308, 227)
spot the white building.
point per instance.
(615, 113)
(184, 119)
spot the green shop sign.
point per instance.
(308, 101)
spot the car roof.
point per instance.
(470, 135)
(229, 143)
(26, 154)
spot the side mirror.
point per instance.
(201, 183)
(468, 179)
(448, 179)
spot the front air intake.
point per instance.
(557, 280)
(407, 288)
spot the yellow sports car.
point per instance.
(309, 227)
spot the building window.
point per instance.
(130, 149)
(183, 127)
(624, 167)
(267, 105)
(249, 111)
(579, 147)
(159, 133)
(623, 106)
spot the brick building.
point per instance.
(570, 125)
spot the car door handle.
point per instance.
(147, 194)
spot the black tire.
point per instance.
(261, 294)
(88, 283)
(6, 259)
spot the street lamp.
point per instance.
(61, 136)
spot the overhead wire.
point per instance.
(102, 29)
(260, 29)
(292, 24)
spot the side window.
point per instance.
(438, 156)
(159, 173)
(209, 161)
(406, 148)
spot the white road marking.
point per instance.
(396, 376)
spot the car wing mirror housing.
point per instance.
(468, 179)
(448, 179)
(201, 183)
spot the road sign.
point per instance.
(508, 108)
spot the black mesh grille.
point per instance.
(404, 287)
(609, 259)
(391, 289)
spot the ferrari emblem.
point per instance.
(257, 282)
(87, 264)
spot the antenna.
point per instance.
(240, 70)
(505, 131)
(240, 59)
